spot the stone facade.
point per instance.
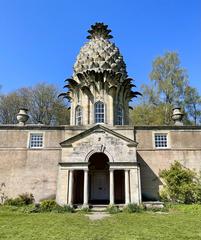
(45, 172)
(99, 158)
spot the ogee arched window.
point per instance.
(78, 115)
(99, 112)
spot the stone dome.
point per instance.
(99, 53)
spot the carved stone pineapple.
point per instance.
(100, 75)
(99, 53)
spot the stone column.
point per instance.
(139, 185)
(70, 191)
(85, 201)
(127, 193)
(62, 186)
(111, 186)
(135, 186)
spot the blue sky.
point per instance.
(39, 39)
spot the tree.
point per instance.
(193, 104)
(9, 107)
(150, 95)
(147, 114)
(42, 102)
(181, 184)
(61, 113)
(169, 82)
(169, 78)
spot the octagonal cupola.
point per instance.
(99, 90)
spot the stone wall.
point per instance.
(29, 170)
(184, 146)
(35, 170)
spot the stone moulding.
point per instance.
(69, 141)
(83, 128)
(95, 151)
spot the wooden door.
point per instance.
(99, 186)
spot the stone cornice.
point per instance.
(73, 163)
(82, 128)
(123, 163)
(113, 165)
(171, 127)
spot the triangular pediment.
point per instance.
(97, 129)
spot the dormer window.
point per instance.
(99, 109)
(78, 115)
(119, 119)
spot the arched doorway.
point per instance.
(98, 179)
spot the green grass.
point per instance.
(182, 222)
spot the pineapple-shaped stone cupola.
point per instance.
(99, 90)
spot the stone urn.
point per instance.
(177, 116)
(22, 116)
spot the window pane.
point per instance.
(99, 112)
(161, 140)
(78, 116)
(36, 140)
(119, 120)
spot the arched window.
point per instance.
(78, 115)
(120, 116)
(99, 112)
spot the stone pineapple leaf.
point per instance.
(99, 30)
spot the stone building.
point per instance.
(99, 158)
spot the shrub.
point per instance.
(63, 209)
(52, 206)
(34, 208)
(164, 195)
(182, 185)
(68, 208)
(85, 210)
(23, 199)
(112, 209)
(14, 202)
(132, 208)
(3, 196)
(27, 198)
(48, 205)
(27, 208)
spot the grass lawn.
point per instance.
(182, 222)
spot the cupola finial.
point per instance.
(99, 30)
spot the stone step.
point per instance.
(94, 207)
(103, 208)
(98, 207)
(153, 204)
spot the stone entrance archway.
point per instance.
(98, 178)
(98, 164)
